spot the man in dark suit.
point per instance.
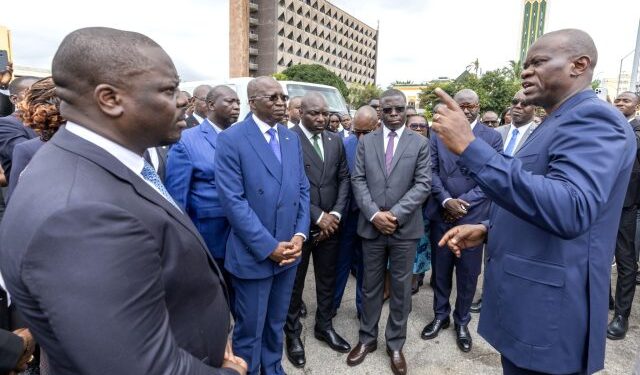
(265, 194)
(191, 173)
(556, 209)
(200, 107)
(350, 254)
(110, 275)
(456, 199)
(625, 253)
(391, 181)
(16, 350)
(326, 168)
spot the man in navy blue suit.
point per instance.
(552, 228)
(190, 175)
(264, 192)
(456, 199)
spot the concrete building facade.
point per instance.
(268, 36)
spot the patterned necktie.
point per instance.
(512, 143)
(273, 142)
(388, 156)
(316, 145)
(149, 174)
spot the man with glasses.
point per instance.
(200, 108)
(418, 124)
(490, 119)
(375, 104)
(456, 200)
(392, 179)
(293, 111)
(264, 191)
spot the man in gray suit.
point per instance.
(515, 134)
(391, 181)
(110, 275)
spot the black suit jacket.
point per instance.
(162, 161)
(633, 192)
(111, 278)
(328, 180)
(192, 121)
(12, 132)
(10, 350)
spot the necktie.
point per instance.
(388, 156)
(512, 143)
(149, 174)
(273, 142)
(316, 145)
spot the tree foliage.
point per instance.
(495, 89)
(360, 95)
(315, 73)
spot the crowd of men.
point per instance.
(158, 233)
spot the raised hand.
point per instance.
(451, 124)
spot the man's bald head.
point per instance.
(365, 120)
(218, 92)
(469, 102)
(312, 99)
(257, 85)
(466, 95)
(201, 91)
(99, 55)
(574, 42)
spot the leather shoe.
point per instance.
(359, 353)
(618, 327)
(463, 337)
(334, 340)
(303, 310)
(398, 364)
(432, 329)
(476, 306)
(295, 352)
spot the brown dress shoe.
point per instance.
(398, 364)
(359, 353)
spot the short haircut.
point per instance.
(20, 84)
(416, 115)
(577, 43)
(636, 97)
(218, 91)
(467, 93)
(256, 84)
(392, 92)
(94, 55)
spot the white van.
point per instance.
(292, 88)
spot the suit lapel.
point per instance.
(262, 148)
(209, 133)
(526, 136)
(378, 141)
(307, 148)
(402, 146)
(289, 151)
(326, 138)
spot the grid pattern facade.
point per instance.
(535, 12)
(283, 33)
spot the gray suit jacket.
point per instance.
(504, 132)
(110, 277)
(402, 191)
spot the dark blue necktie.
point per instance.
(273, 142)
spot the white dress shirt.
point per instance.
(396, 139)
(155, 159)
(522, 130)
(197, 117)
(215, 127)
(290, 124)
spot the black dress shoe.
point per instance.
(612, 304)
(432, 329)
(463, 337)
(303, 310)
(476, 306)
(618, 327)
(295, 352)
(334, 340)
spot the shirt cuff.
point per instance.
(374, 216)
(319, 218)
(445, 201)
(301, 235)
(336, 214)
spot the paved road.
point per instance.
(438, 356)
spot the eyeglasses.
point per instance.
(416, 126)
(491, 122)
(272, 98)
(468, 107)
(199, 98)
(518, 101)
(374, 106)
(388, 110)
(227, 101)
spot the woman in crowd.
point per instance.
(334, 122)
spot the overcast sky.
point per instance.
(419, 39)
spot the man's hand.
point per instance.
(29, 346)
(5, 76)
(328, 223)
(294, 252)
(385, 222)
(456, 208)
(235, 363)
(278, 255)
(451, 124)
(463, 237)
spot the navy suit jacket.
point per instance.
(191, 181)
(22, 154)
(449, 182)
(111, 278)
(350, 149)
(12, 132)
(552, 232)
(265, 201)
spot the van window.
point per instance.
(331, 95)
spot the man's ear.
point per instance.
(13, 98)
(580, 65)
(109, 99)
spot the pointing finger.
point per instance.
(445, 99)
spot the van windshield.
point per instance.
(331, 95)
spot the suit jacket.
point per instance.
(329, 180)
(449, 182)
(191, 182)
(22, 155)
(192, 121)
(552, 232)
(11, 346)
(633, 191)
(266, 202)
(12, 132)
(132, 290)
(350, 148)
(402, 191)
(504, 133)
(162, 161)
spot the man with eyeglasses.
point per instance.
(375, 104)
(490, 119)
(456, 200)
(293, 110)
(264, 191)
(200, 107)
(418, 124)
(391, 181)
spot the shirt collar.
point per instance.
(386, 131)
(473, 124)
(127, 157)
(197, 117)
(215, 127)
(523, 129)
(307, 133)
(263, 126)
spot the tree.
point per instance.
(315, 73)
(360, 95)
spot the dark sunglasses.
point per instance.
(418, 126)
(361, 132)
(388, 110)
(272, 98)
(518, 101)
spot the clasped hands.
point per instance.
(233, 362)
(385, 222)
(328, 225)
(287, 252)
(454, 210)
(29, 346)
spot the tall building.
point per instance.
(534, 19)
(268, 36)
